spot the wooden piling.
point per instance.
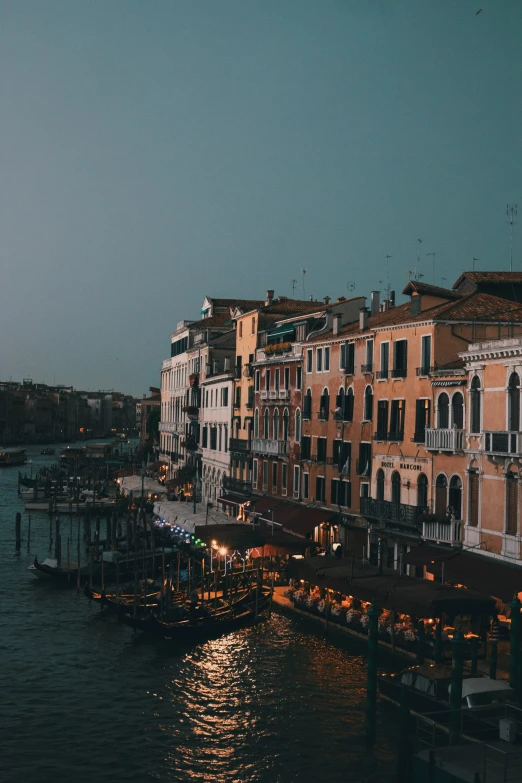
(458, 644)
(18, 530)
(179, 565)
(514, 642)
(404, 722)
(493, 660)
(371, 683)
(421, 641)
(29, 534)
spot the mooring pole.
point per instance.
(493, 660)
(371, 683)
(18, 530)
(421, 641)
(514, 638)
(438, 641)
(404, 722)
(474, 654)
(458, 644)
(29, 534)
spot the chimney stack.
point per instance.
(363, 319)
(374, 300)
(327, 300)
(337, 323)
(392, 298)
(269, 297)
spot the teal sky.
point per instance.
(152, 152)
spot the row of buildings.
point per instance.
(37, 413)
(379, 426)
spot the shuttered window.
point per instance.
(473, 499)
(512, 504)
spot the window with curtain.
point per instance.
(473, 498)
(368, 403)
(441, 496)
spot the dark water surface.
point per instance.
(84, 699)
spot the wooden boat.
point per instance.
(11, 457)
(49, 568)
(124, 600)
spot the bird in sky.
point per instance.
(478, 12)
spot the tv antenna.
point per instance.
(350, 285)
(294, 283)
(473, 262)
(511, 212)
(303, 272)
(432, 264)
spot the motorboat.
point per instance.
(12, 456)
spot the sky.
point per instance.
(155, 151)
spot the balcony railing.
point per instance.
(237, 371)
(281, 353)
(363, 467)
(283, 394)
(267, 446)
(348, 370)
(399, 372)
(239, 445)
(502, 442)
(192, 411)
(269, 394)
(444, 439)
(388, 511)
(323, 415)
(366, 368)
(395, 436)
(382, 374)
(447, 532)
(190, 444)
(235, 484)
(425, 370)
(380, 436)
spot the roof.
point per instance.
(293, 517)
(490, 277)
(415, 286)
(243, 304)
(291, 306)
(474, 685)
(221, 319)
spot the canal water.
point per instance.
(85, 700)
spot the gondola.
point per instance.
(50, 569)
(124, 600)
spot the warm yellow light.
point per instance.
(214, 543)
(222, 551)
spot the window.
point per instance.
(204, 437)
(349, 400)
(457, 411)
(274, 477)
(253, 328)
(287, 377)
(298, 426)
(277, 379)
(441, 496)
(347, 358)
(240, 331)
(400, 358)
(296, 481)
(443, 411)
(385, 360)
(511, 504)
(256, 423)
(473, 498)
(213, 438)
(398, 408)
(256, 380)
(369, 355)
(320, 489)
(319, 360)
(396, 488)
(340, 493)
(250, 398)
(299, 378)
(306, 447)
(238, 397)
(265, 475)
(326, 359)
(224, 397)
(364, 466)
(286, 417)
(225, 438)
(475, 405)
(422, 491)
(307, 405)
(368, 404)
(266, 425)
(306, 485)
(324, 405)
(425, 354)
(342, 454)
(276, 425)
(267, 380)
(284, 479)
(382, 420)
(422, 420)
(321, 449)
(514, 403)
(379, 485)
(309, 360)
(455, 497)
(254, 474)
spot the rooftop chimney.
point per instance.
(385, 305)
(326, 299)
(269, 297)
(363, 319)
(392, 298)
(337, 323)
(374, 300)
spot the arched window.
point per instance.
(307, 405)
(474, 424)
(455, 497)
(511, 503)
(441, 496)
(379, 487)
(286, 418)
(324, 405)
(396, 488)
(457, 411)
(339, 406)
(266, 425)
(256, 423)
(422, 491)
(298, 426)
(514, 403)
(473, 497)
(349, 405)
(368, 403)
(443, 406)
(276, 424)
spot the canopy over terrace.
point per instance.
(500, 579)
(291, 517)
(242, 537)
(134, 483)
(415, 597)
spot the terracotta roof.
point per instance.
(415, 286)
(490, 277)
(221, 319)
(248, 303)
(290, 306)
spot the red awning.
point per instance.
(292, 517)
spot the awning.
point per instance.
(280, 331)
(231, 499)
(242, 537)
(500, 579)
(156, 465)
(292, 517)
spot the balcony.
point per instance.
(444, 439)
(283, 394)
(236, 485)
(425, 370)
(382, 374)
(190, 444)
(380, 436)
(270, 395)
(239, 446)
(167, 426)
(348, 370)
(363, 467)
(387, 511)
(278, 352)
(366, 368)
(274, 448)
(399, 372)
(502, 443)
(443, 531)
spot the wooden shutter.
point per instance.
(473, 499)
(512, 506)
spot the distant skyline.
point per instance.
(153, 153)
